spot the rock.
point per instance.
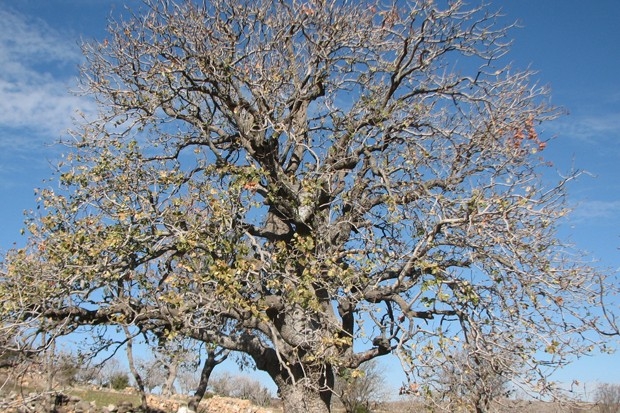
(59, 402)
(74, 399)
(125, 407)
(82, 407)
(111, 408)
(230, 405)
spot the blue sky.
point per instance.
(573, 44)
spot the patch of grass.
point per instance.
(104, 397)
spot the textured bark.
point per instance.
(304, 388)
(301, 399)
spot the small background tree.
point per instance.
(467, 383)
(68, 368)
(607, 398)
(361, 390)
(88, 373)
(472, 375)
(110, 370)
(241, 387)
(153, 373)
(188, 381)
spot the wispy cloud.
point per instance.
(31, 42)
(39, 67)
(591, 128)
(596, 210)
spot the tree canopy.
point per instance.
(314, 184)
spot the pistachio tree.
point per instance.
(314, 184)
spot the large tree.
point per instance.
(314, 184)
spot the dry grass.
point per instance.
(104, 397)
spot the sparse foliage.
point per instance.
(110, 371)
(607, 398)
(153, 373)
(362, 388)
(469, 379)
(314, 184)
(88, 373)
(188, 381)
(166, 359)
(67, 369)
(222, 384)
(241, 387)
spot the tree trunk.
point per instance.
(134, 370)
(310, 391)
(207, 369)
(172, 369)
(49, 364)
(303, 399)
(303, 388)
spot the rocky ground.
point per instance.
(62, 403)
(18, 400)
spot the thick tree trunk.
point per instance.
(303, 388)
(303, 399)
(205, 375)
(310, 391)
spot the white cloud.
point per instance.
(39, 67)
(608, 211)
(591, 128)
(44, 109)
(31, 42)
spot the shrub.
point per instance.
(66, 369)
(119, 381)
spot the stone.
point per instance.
(82, 407)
